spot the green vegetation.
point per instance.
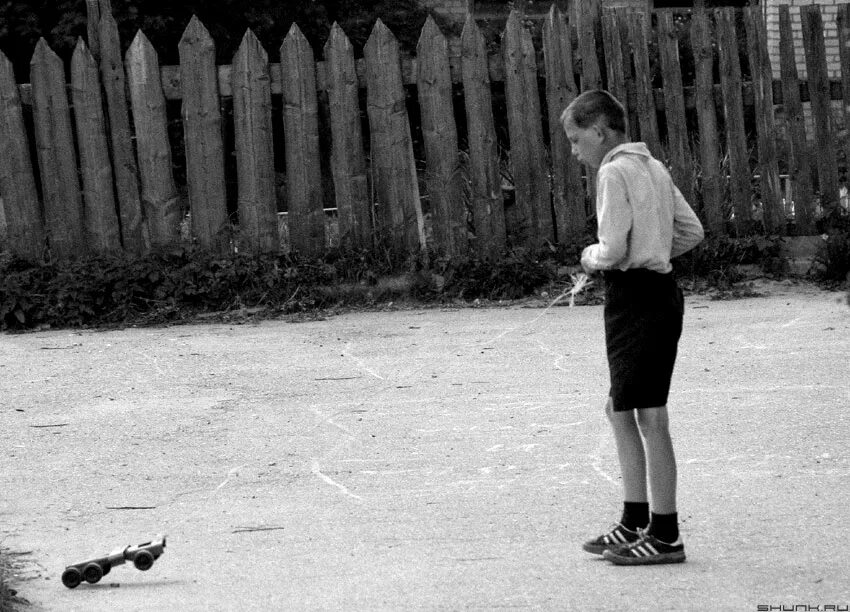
(189, 284)
(9, 600)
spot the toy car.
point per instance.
(92, 570)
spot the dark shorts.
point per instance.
(643, 323)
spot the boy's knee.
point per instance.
(620, 420)
(653, 420)
(609, 409)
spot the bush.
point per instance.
(181, 285)
(161, 288)
(115, 289)
(716, 261)
(9, 599)
(834, 254)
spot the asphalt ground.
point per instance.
(424, 459)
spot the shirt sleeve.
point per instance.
(614, 219)
(687, 229)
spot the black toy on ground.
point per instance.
(92, 570)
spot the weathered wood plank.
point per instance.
(629, 99)
(816, 69)
(711, 181)
(57, 158)
(160, 200)
(203, 135)
(568, 194)
(252, 126)
(24, 224)
(488, 210)
(134, 232)
(844, 56)
(393, 165)
(92, 23)
(589, 26)
(615, 61)
(678, 149)
(645, 95)
(439, 133)
(102, 228)
(306, 215)
(528, 155)
(303, 159)
(762, 76)
(740, 175)
(348, 164)
(799, 166)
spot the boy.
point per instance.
(643, 221)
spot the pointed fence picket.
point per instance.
(486, 199)
(710, 177)
(102, 227)
(533, 224)
(761, 74)
(439, 133)
(380, 190)
(303, 158)
(568, 201)
(57, 157)
(843, 25)
(134, 234)
(678, 151)
(203, 136)
(819, 93)
(25, 226)
(799, 166)
(348, 163)
(646, 107)
(252, 119)
(740, 175)
(160, 198)
(394, 176)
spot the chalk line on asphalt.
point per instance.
(596, 460)
(347, 352)
(231, 473)
(317, 471)
(330, 421)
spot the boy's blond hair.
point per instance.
(591, 106)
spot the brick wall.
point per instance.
(829, 12)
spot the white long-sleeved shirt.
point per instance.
(643, 218)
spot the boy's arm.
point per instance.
(687, 229)
(614, 218)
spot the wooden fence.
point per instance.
(101, 178)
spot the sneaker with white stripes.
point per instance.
(618, 536)
(646, 550)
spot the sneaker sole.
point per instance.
(673, 557)
(594, 549)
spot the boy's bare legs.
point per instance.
(633, 468)
(654, 425)
(660, 542)
(630, 451)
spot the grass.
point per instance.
(9, 600)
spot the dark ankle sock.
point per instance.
(665, 527)
(635, 515)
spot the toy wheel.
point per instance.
(143, 560)
(72, 577)
(92, 573)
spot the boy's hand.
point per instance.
(585, 262)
